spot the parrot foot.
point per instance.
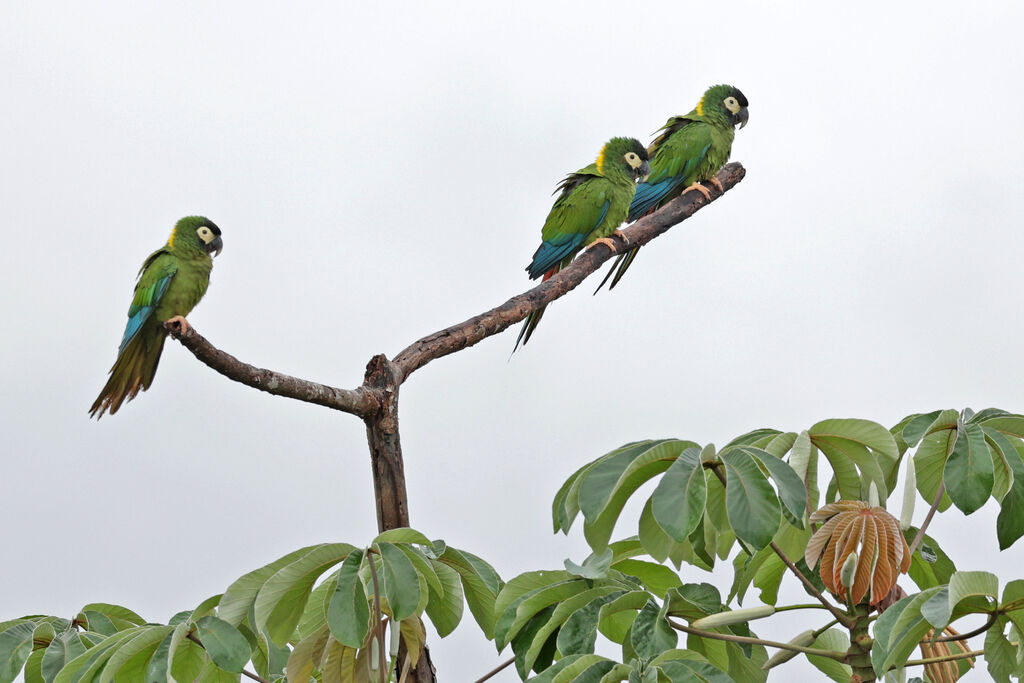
(606, 241)
(622, 236)
(697, 187)
(717, 183)
(178, 324)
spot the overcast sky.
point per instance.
(381, 171)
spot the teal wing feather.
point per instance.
(155, 277)
(575, 220)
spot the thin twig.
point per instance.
(944, 658)
(831, 654)
(495, 671)
(928, 519)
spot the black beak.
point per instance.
(216, 246)
(741, 117)
(643, 171)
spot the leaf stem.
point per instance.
(944, 658)
(809, 605)
(831, 654)
(928, 518)
(495, 671)
(383, 667)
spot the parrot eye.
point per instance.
(632, 159)
(731, 104)
(205, 234)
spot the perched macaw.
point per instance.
(171, 282)
(689, 149)
(593, 203)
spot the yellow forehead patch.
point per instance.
(170, 240)
(700, 107)
(600, 160)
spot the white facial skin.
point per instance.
(205, 234)
(732, 104)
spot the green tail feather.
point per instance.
(529, 325)
(133, 372)
(619, 268)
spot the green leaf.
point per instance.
(306, 655)
(228, 648)
(85, 666)
(606, 487)
(1012, 425)
(314, 614)
(578, 633)
(238, 598)
(518, 613)
(651, 635)
(751, 503)
(402, 535)
(791, 488)
(528, 653)
(968, 472)
(129, 660)
(156, 667)
(62, 649)
(868, 444)
(594, 567)
(580, 668)
(280, 602)
(401, 581)
(939, 609)
(694, 600)
(479, 582)
(832, 639)
(445, 607)
(115, 612)
(1010, 523)
(928, 574)
(15, 647)
(915, 429)
(899, 630)
(930, 464)
(678, 501)
(1003, 452)
(33, 667)
(616, 616)
(658, 578)
(1000, 655)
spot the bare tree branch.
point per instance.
(479, 327)
(357, 401)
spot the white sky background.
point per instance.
(383, 171)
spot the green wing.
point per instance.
(154, 278)
(575, 220)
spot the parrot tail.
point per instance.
(619, 268)
(133, 372)
(532, 320)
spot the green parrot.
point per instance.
(689, 149)
(593, 203)
(171, 282)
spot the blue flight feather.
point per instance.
(550, 253)
(138, 315)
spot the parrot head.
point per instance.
(627, 155)
(725, 101)
(198, 232)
